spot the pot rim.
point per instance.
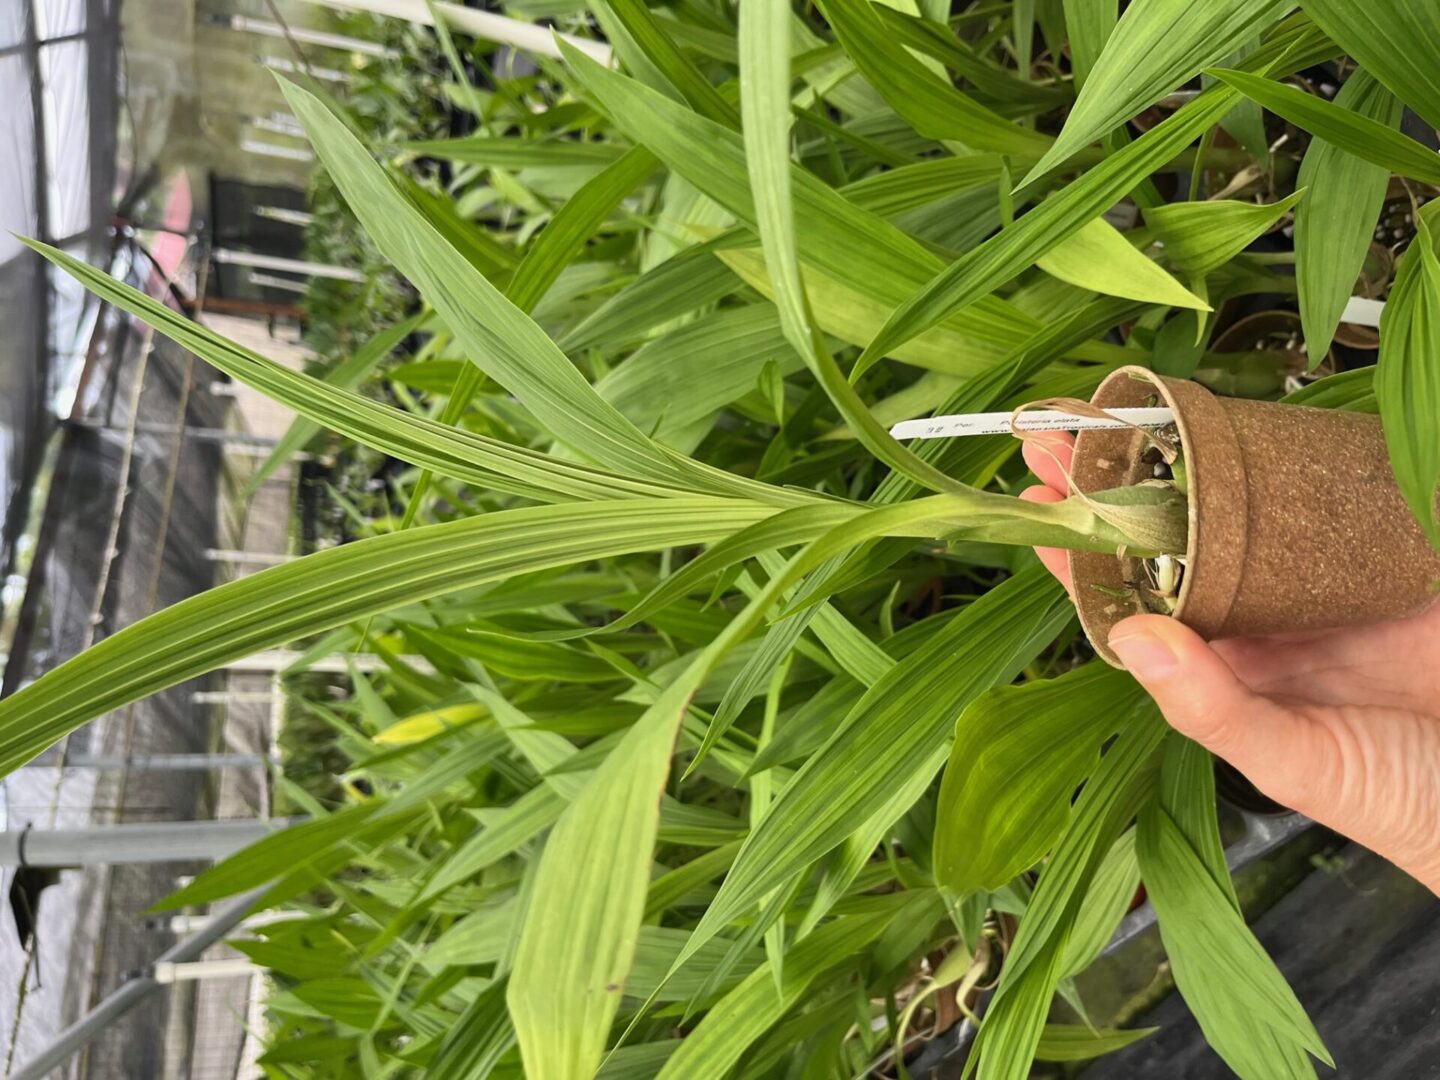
(1217, 505)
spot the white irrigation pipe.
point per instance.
(481, 24)
(265, 149)
(310, 37)
(290, 266)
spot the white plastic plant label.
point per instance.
(999, 423)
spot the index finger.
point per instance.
(1049, 453)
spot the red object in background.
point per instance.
(170, 245)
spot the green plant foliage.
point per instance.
(1335, 224)
(1089, 24)
(1201, 237)
(1003, 803)
(1100, 259)
(1255, 1023)
(983, 270)
(1350, 131)
(711, 731)
(1156, 46)
(1407, 380)
(1390, 42)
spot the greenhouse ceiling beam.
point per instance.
(481, 24)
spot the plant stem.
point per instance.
(1105, 521)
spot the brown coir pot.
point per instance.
(1295, 519)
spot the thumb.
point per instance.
(1201, 697)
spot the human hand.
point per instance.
(1341, 725)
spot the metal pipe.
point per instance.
(132, 993)
(231, 697)
(189, 924)
(279, 124)
(139, 842)
(280, 660)
(289, 67)
(282, 213)
(274, 281)
(220, 435)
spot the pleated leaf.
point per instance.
(862, 250)
(765, 109)
(346, 375)
(927, 101)
(983, 270)
(1349, 131)
(454, 452)
(1089, 24)
(582, 927)
(1200, 237)
(1335, 224)
(1242, 1003)
(740, 1018)
(1100, 259)
(1015, 1020)
(1019, 755)
(1395, 41)
(1075, 1042)
(1157, 47)
(893, 740)
(1407, 380)
(337, 586)
(497, 335)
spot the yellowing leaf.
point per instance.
(1100, 259)
(425, 725)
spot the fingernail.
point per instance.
(1144, 655)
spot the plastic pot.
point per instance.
(1295, 519)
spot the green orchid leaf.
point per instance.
(1391, 42)
(1370, 140)
(1335, 223)
(1407, 379)
(1157, 46)
(1019, 755)
(1201, 237)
